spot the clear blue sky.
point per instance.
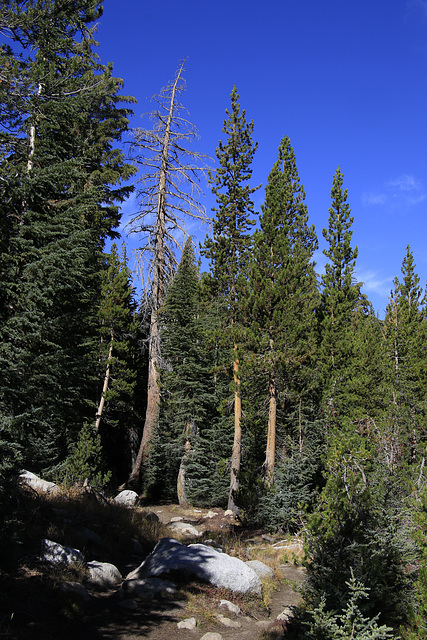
(345, 79)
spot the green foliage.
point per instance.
(417, 628)
(56, 140)
(350, 623)
(228, 249)
(404, 362)
(339, 299)
(119, 363)
(186, 381)
(85, 463)
(360, 524)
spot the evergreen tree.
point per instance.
(116, 417)
(228, 249)
(339, 298)
(283, 294)
(57, 211)
(404, 363)
(186, 380)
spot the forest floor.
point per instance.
(33, 607)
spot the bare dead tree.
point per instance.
(169, 195)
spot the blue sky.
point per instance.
(346, 80)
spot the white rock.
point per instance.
(211, 636)
(177, 519)
(261, 569)
(189, 623)
(55, 553)
(103, 574)
(210, 514)
(37, 483)
(206, 563)
(127, 498)
(185, 529)
(227, 622)
(233, 608)
(286, 614)
(229, 512)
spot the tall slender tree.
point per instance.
(405, 336)
(340, 294)
(169, 194)
(229, 248)
(282, 290)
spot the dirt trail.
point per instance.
(158, 620)
(33, 607)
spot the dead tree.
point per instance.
(168, 194)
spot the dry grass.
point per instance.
(86, 521)
(289, 551)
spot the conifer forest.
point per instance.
(253, 384)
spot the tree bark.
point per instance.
(237, 444)
(271, 432)
(180, 483)
(105, 385)
(153, 390)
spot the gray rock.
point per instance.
(151, 516)
(286, 614)
(177, 519)
(233, 608)
(37, 483)
(76, 589)
(227, 622)
(127, 498)
(136, 547)
(188, 623)
(261, 569)
(103, 574)
(199, 560)
(55, 553)
(148, 588)
(185, 529)
(213, 543)
(129, 605)
(211, 636)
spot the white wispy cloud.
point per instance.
(373, 198)
(374, 283)
(404, 183)
(399, 191)
(420, 6)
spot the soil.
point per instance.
(33, 606)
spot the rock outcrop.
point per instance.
(206, 563)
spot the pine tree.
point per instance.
(116, 417)
(186, 380)
(339, 298)
(58, 210)
(229, 248)
(404, 362)
(283, 294)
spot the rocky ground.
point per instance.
(34, 603)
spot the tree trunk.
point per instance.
(180, 483)
(237, 444)
(105, 385)
(153, 391)
(271, 432)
